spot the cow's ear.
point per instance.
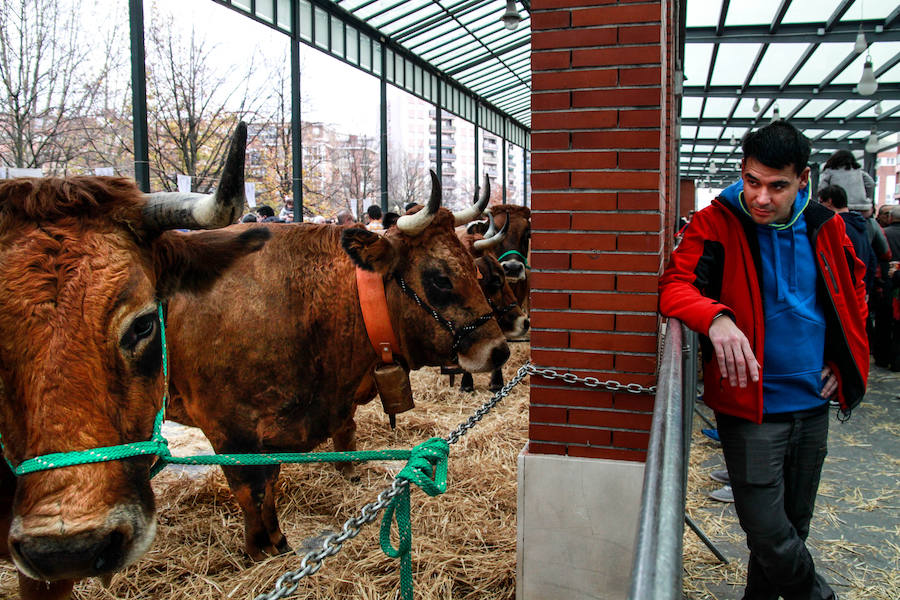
(368, 250)
(191, 262)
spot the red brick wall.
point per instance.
(602, 127)
(687, 197)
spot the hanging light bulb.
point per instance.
(733, 139)
(776, 114)
(867, 83)
(511, 16)
(878, 108)
(872, 143)
(756, 105)
(713, 169)
(861, 44)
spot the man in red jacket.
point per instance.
(771, 281)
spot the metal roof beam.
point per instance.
(779, 15)
(495, 54)
(791, 33)
(838, 13)
(856, 124)
(847, 91)
(798, 65)
(723, 12)
(816, 144)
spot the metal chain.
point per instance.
(610, 384)
(288, 582)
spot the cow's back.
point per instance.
(269, 357)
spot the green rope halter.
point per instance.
(517, 253)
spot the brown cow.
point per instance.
(512, 320)
(294, 378)
(513, 251)
(83, 263)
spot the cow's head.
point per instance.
(84, 263)
(422, 254)
(513, 251)
(492, 279)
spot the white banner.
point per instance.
(105, 171)
(15, 172)
(250, 192)
(184, 183)
(2, 172)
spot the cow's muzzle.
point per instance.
(514, 270)
(50, 554)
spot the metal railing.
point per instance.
(656, 570)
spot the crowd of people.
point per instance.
(374, 219)
(793, 290)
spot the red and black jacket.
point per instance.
(717, 269)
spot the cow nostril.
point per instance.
(499, 355)
(527, 324)
(110, 553)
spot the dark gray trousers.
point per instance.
(774, 468)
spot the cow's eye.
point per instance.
(442, 283)
(495, 284)
(141, 328)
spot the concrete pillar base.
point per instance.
(577, 521)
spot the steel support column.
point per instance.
(384, 132)
(139, 95)
(296, 124)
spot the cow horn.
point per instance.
(175, 210)
(492, 226)
(473, 212)
(490, 242)
(415, 224)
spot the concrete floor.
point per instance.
(855, 534)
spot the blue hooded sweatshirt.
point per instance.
(794, 316)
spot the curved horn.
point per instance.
(494, 240)
(492, 226)
(414, 224)
(473, 212)
(175, 210)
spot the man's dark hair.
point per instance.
(249, 218)
(777, 145)
(374, 212)
(842, 159)
(835, 194)
(265, 211)
(389, 219)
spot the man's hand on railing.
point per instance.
(733, 351)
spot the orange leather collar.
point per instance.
(373, 303)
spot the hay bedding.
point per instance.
(463, 541)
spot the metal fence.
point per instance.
(656, 570)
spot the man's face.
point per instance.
(769, 193)
(884, 216)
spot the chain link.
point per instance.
(593, 382)
(287, 583)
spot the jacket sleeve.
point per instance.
(879, 240)
(691, 284)
(869, 184)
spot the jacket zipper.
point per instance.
(828, 268)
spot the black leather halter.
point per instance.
(457, 333)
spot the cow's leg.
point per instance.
(496, 380)
(344, 439)
(29, 589)
(467, 384)
(254, 488)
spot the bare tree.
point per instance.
(357, 171)
(194, 104)
(52, 75)
(408, 179)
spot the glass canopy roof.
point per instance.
(464, 39)
(745, 60)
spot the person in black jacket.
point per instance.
(835, 198)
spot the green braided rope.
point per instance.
(427, 468)
(516, 252)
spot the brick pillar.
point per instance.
(603, 156)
